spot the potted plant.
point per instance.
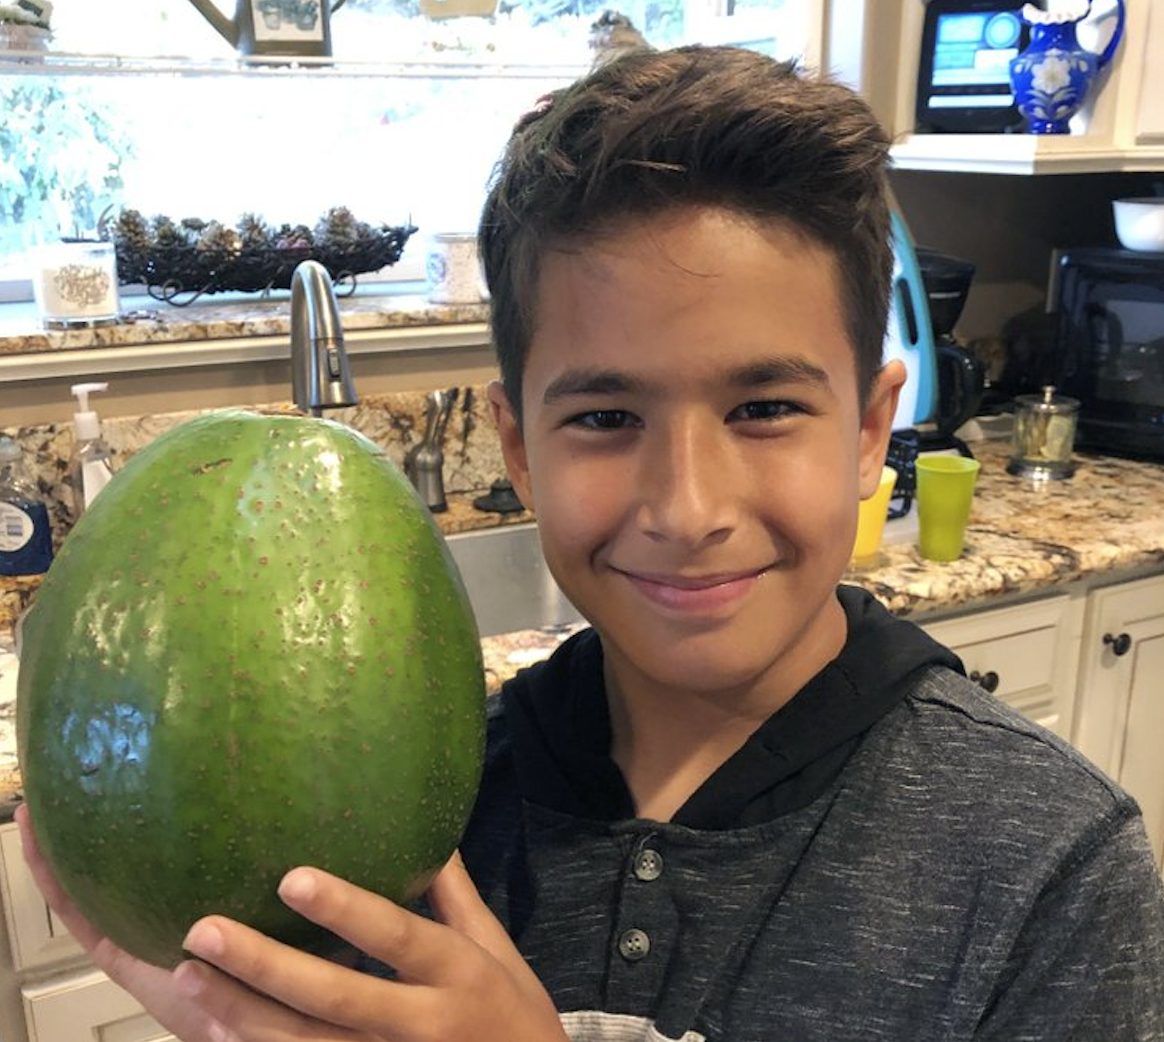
(24, 25)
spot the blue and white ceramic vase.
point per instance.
(1051, 78)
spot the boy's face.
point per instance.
(694, 450)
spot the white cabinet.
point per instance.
(1025, 654)
(35, 935)
(1149, 128)
(63, 998)
(1121, 694)
(84, 1006)
(1089, 666)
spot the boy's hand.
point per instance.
(460, 977)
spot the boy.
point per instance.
(746, 805)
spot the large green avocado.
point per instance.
(252, 652)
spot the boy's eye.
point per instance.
(764, 410)
(604, 420)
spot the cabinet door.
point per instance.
(1025, 654)
(1150, 113)
(37, 937)
(1121, 694)
(84, 1007)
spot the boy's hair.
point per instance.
(695, 126)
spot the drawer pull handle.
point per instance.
(1119, 645)
(988, 681)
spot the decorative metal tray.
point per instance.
(214, 259)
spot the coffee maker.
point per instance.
(961, 378)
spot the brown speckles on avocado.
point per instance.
(206, 468)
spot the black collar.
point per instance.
(559, 727)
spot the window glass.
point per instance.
(144, 105)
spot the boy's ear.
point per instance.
(512, 441)
(877, 424)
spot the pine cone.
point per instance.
(166, 232)
(338, 227)
(217, 238)
(254, 232)
(132, 231)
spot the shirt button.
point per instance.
(634, 945)
(648, 865)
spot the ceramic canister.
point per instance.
(453, 269)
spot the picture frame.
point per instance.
(289, 27)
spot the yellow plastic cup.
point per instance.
(945, 491)
(871, 520)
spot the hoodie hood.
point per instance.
(557, 726)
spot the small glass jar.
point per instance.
(75, 284)
(1044, 435)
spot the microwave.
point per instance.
(1108, 347)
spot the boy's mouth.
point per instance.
(699, 593)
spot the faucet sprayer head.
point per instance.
(320, 378)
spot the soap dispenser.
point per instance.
(26, 539)
(91, 464)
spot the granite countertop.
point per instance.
(1024, 538)
(148, 321)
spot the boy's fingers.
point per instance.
(416, 947)
(456, 902)
(250, 1016)
(318, 989)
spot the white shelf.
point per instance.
(1022, 154)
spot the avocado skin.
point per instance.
(252, 652)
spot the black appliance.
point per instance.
(963, 82)
(961, 378)
(1108, 346)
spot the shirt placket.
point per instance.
(646, 928)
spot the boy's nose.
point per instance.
(687, 487)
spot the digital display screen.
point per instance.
(974, 50)
(963, 81)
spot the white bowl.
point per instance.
(1139, 223)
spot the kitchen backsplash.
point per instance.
(394, 421)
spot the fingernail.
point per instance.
(204, 940)
(297, 885)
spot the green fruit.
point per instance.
(253, 652)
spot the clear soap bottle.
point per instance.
(26, 538)
(91, 462)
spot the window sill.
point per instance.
(225, 331)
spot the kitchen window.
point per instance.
(142, 104)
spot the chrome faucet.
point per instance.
(319, 364)
(424, 463)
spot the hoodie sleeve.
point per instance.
(1089, 962)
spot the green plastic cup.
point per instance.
(945, 490)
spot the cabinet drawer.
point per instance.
(1025, 655)
(87, 1006)
(1022, 662)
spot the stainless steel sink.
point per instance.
(509, 585)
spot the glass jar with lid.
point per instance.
(1044, 435)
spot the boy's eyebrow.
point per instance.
(780, 369)
(590, 382)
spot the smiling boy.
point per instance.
(691, 443)
(747, 804)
